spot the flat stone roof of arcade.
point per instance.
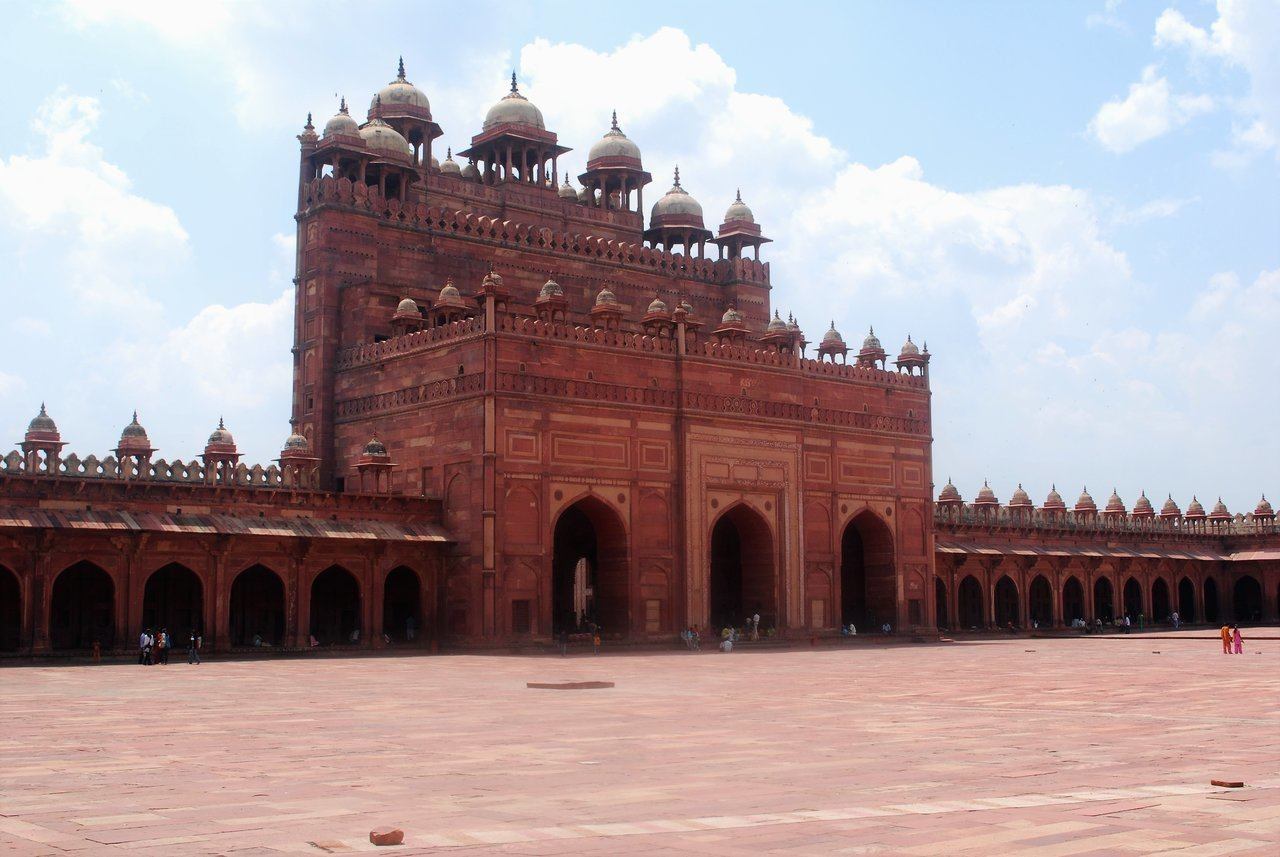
(1015, 747)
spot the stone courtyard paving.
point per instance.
(1078, 747)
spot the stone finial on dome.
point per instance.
(1263, 509)
(1195, 509)
(614, 149)
(1054, 502)
(871, 341)
(909, 348)
(1020, 499)
(449, 166)
(739, 211)
(221, 438)
(42, 427)
(341, 125)
(1085, 503)
(1219, 512)
(567, 192)
(1170, 509)
(1142, 507)
(950, 494)
(1115, 506)
(514, 109)
(832, 336)
(986, 496)
(776, 324)
(400, 98)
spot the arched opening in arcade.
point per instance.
(10, 611)
(257, 608)
(867, 586)
(1246, 599)
(335, 607)
(940, 603)
(402, 605)
(1104, 606)
(589, 570)
(1132, 600)
(1211, 601)
(1072, 600)
(1186, 600)
(1007, 603)
(82, 608)
(1161, 607)
(742, 578)
(969, 612)
(172, 601)
(1040, 602)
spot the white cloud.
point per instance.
(1150, 110)
(1107, 17)
(1155, 209)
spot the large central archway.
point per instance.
(1103, 600)
(335, 606)
(1186, 600)
(1161, 608)
(868, 587)
(1072, 600)
(742, 570)
(10, 611)
(173, 601)
(82, 608)
(1133, 600)
(402, 605)
(257, 607)
(969, 607)
(589, 570)
(1040, 602)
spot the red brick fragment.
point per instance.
(386, 836)
(1227, 784)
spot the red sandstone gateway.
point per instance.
(518, 414)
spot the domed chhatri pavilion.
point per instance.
(519, 408)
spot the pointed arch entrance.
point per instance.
(173, 600)
(335, 607)
(1007, 602)
(1211, 601)
(1133, 600)
(82, 608)
(402, 605)
(1161, 608)
(1072, 600)
(1104, 606)
(1246, 599)
(589, 570)
(1040, 602)
(940, 603)
(868, 585)
(10, 611)
(257, 607)
(742, 570)
(1186, 600)
(969, 612)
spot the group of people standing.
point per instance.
(1231, 640)
(153, 648)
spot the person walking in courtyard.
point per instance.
(162, 646)
(1237, 640)
(1226, 639)
(144, 647)
(193, 648)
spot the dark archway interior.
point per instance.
(82, 607)
(1186, 600)
(589, 580)
(1246, 600)
(969, 604)
(257, 607)
(10, 611)
(1161, 608)
(1072, 600)
(402, 605)
(868, 589)
(742, 578)
(1007, 602)
(173, 601)
(940, 603)
(335, 606)
(1132, 599)
(1040, 601)
(1103, 604)
(1211, 601)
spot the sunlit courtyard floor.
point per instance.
(1045, 747)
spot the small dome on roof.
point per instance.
(731, 316)
(614, 144)
(296, 443)
(676, 203)
(776, 324)
(1142, 506)
(1219, 510)
(1085, 503)
(950, 493)
(833, 337)
(738, 210)
(1054, 500)
(1170, 509)
(792, 324)
(449, 293)
(606, 298)
(657, 307)
(514, 109)
(1195, 509)
(566, 190)
(871, 342)
(381, 137)
(1114, 503)
(909, 348)
(220, 436)
(407, 306)
(449, 166)
(986, 497)
(471, 172)
(134, 431)
(550, 289)
(1263, 509)
(1020, 497)
(375, 447)
(342, 123)
(42, 423)
(399, 92)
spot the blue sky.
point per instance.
(1076, 204)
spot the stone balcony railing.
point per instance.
(968, 515)
(111, 468)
